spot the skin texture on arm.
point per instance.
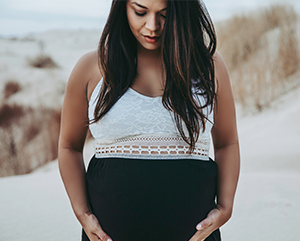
(226, 145)
(72, 136)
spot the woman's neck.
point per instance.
(150, 55)
(149, 80)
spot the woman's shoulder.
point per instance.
(221, 72)
(219, 62)
(86, 73)
(87, 65)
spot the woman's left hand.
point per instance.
(215, 219)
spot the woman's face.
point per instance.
(146, 20)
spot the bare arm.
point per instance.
(72, 136)
(225, 139)
(226, 145)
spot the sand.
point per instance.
(267, 206)
(268, 195)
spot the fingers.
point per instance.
(207, 226)
(202, 234)
(209, 220)
(204, 224)
(93, 229)
(103, 236)
(99, 235)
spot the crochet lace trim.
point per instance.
(152, 147)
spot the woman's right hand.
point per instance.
(92, 228)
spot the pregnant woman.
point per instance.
(152, 95)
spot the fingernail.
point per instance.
(109, 239)
(199, 226)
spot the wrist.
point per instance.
(226, 213)
(83, 214)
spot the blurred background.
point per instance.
(40, 42)
(19, 17)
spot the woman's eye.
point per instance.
(140, 14)
(164, 16)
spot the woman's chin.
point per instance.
(149, 47)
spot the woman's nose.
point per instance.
(152, 23)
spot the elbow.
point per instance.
(220, 146)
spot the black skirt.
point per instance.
(157, 200)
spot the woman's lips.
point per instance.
(150, 39)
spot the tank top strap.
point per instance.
(95, 93)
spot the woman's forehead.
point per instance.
(157, 5)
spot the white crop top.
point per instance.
(138, 126)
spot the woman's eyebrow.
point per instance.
(141, 6)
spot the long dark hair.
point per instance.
(188, 45)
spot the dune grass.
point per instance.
(11, 87)
(261, 51)
(28, 138)
(42, 60)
